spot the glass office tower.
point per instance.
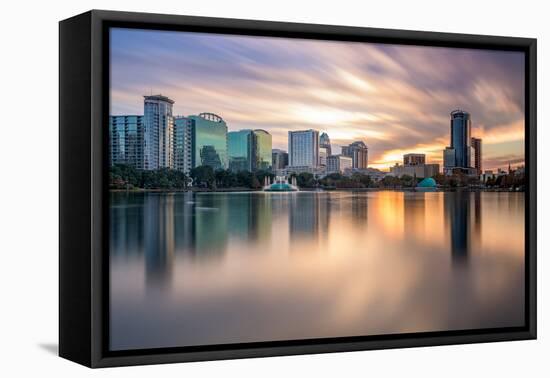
(249, 150)
(209, 141)
(263, 149)
(458, 156)
(461, 126)
(241, 147)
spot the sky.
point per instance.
(395, 98)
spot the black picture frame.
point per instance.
(83, 213)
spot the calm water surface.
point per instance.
(214, 268)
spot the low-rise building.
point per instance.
(418, 171)
(414, 159)
(339, 164)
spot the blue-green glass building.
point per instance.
(242, 150)
(208, 141)
(249, 150)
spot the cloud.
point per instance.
(395, 98)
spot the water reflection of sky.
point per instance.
(195, 269)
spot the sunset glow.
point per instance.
(396, 99)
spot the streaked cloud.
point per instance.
(395, 98)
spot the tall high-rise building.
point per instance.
(279, 159)
(458, 155)
(324, 142)
(303, 148)
(359, 152)
(476, 146)
(208, 141)
(158, 132)
(241, 147)
(183, 127)
(414, 159)
(263, 149)
(126, 140)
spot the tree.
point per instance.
(361, 179)
(124, 176)
(306, 180)
(408, 181)
(390, 182)
(203, 176)
(225, 178)
(440, 179)
(245, 179)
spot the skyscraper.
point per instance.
(183, 128)
(303, 148)
(158, 132)
(476, 146)
(324, 142)
(279, 159)
(359, 152)
(208, 141)
(241, 147)
(263, 149)
(458, 155)
(126, 140)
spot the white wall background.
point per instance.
(29, 186)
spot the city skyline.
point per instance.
(392, 97)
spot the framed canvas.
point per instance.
(235, 188)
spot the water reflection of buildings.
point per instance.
(158, 228)
(477, 219)
(414, 215)
(359, 210)
(182, 224)
(309, 216)
(126, 224)
(460, 208)
(209, 232)
(249, 216)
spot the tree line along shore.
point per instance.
(205, 178)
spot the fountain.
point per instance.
(280, 184)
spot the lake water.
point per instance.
(216, 268)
